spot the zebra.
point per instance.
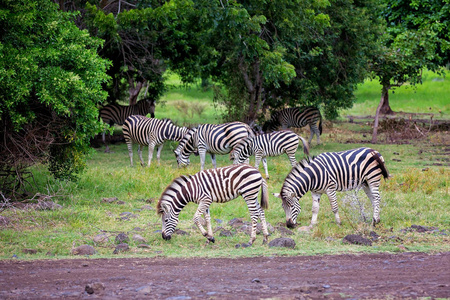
(117, 114)
(152, 132)
(211, 138)
(269, 144)
(331, 172)
(296, 117)
(214, 185)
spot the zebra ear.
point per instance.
(277, 195)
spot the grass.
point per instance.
(430, 97)
(416, 194)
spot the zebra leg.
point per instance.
(140, 155)
(334, 207)
(264, 161)
(264, 226)
(104, 142)
(213, 159)
(130, 151)
(315, 130)
(202, 154)
(208, 225)
(201, 210)
(158, 154)
(315, 208)
(311, 128)
(151, 148)
(292, 159)
(373, 194)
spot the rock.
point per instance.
(122, 238)
(236, 222)
(143, 246)
(304, 229)
(147, 207)
(270, 228)
(357, 240)
(227, 233)
(29, 251)
(84, 250)
(218, 221)
(121, 248)
(282, 242)
(95, 288)
(374, 236)
(144, 289)
(247, 229)
(284, 231)
(139, 239)
(121, 202)
(138, 229)
(101, 238)
(110, 200)
(256, 280)
(180, 232)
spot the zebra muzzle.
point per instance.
(290, 224)
(166, 237)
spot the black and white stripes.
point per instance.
(211, 138)
(214, 185)
(152, 132)
(117, 114)
(331, 172)
(296, 117)
(269, 144)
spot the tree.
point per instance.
(417, 36)
(50, 84)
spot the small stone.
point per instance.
(282, 242)
(101, 238)
(121, 248)
(180, 232)
(122, 238)
(144, 289)
(29, 251)
(226, 233)
(357, 240)
(256, 280)
(284, 231)
(84, 250)
(143, 246)
(110, 200)
(96, 287)
(147, 207)
(138, 238)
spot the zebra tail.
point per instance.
(320, 125)
(381, 164)
(264, 195)
(305, 146)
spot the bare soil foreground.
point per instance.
(374, 276)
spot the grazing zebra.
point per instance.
(331, 172)
(214, 185)
(269, 144)
(117, 114)
(151, 132)
(296, 117)
(211, 138)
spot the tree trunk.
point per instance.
(134, 89)
(386, 108)
(384, 93)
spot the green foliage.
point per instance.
(50, 78)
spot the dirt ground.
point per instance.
(374, 276)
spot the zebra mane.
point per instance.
(304, 163)
(174, 185)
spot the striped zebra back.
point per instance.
(294, 117)
(142, 130)
(213, 185)
(338, 171)
(117, 114)
(269, 144)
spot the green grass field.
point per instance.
(416, 194)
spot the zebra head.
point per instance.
(169, 219)
(242, 151)
(186, 148)
(150, 106)
(291, 205)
